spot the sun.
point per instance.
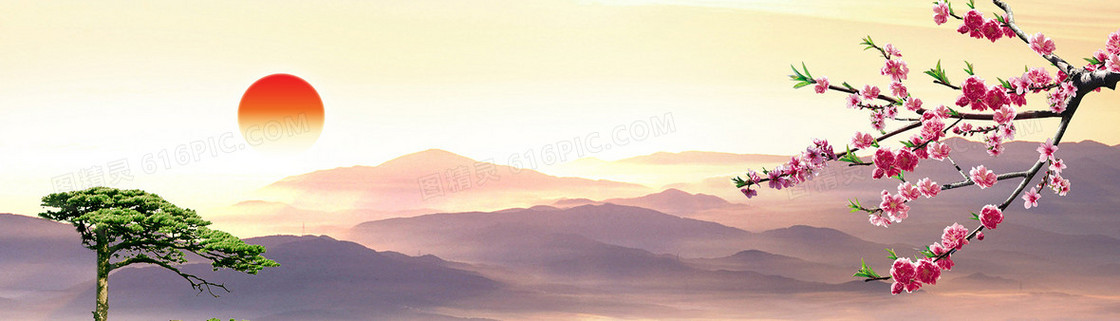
(280, 113)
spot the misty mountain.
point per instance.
(434, 179)
(670, 201)
(768, 263)
(625, 226)
(319, 279)
(41, 255)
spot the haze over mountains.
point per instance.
(564, 248)
(434, 179)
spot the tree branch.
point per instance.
(196, 282)
(1074, 103)
(968, 181)
(1052, 58)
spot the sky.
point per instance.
(88, 87)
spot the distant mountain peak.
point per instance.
(431, 154)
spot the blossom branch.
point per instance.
(1029, 174)
(1052, 58)
(969, 182)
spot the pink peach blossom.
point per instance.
(776, 179)
(1038, 77)
(994, 143)
(996, 97)
(973, 21)
(927, 272)
(854, 101)
(749, 192)
(1007, 131)
(896, 68)
(898, 89)
(906, 160)
(869, 92)
(940, 12)
(894, 206)
(908, 191)
(937, 150)
(897, 287)
(1019, 84)
(946, 262)
(878, 220)
(862, 140)
(983, 177)
(892, 51)
(933, 129)
(928, 187)
(753, 177)
(942, 112)
(890, 111)
(913, 104)
(992, 30)
(990, 216)
(877, 120)
(1030, 199)
(1004, 115)
(1113, 63)
(1113, 43)
(903, 270)
(822, 85)
(1062, 187)
(955, 236)
(973, 88)
(1057, 166)
(1042, 44)
(1046, 150)
(1018, 99)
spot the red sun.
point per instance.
(280, 113)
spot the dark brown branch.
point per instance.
(196, 282)
(881, 96)
(1074, 103)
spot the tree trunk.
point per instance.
(101, 311)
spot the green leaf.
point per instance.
(1006, 85)
(907, 143)
(802, 84)
(866, 271)
(852, 205)
(875, 144)
(868, 43)
(999, 18)
(891, 254)
(969, 69)
(846, 85)
(739, 182)
(899, 177)
(806, 69)
(1093, 60)
(953, 111)
(927, 252)
(975, 217)
(971, 4)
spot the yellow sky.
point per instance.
(88, 84)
